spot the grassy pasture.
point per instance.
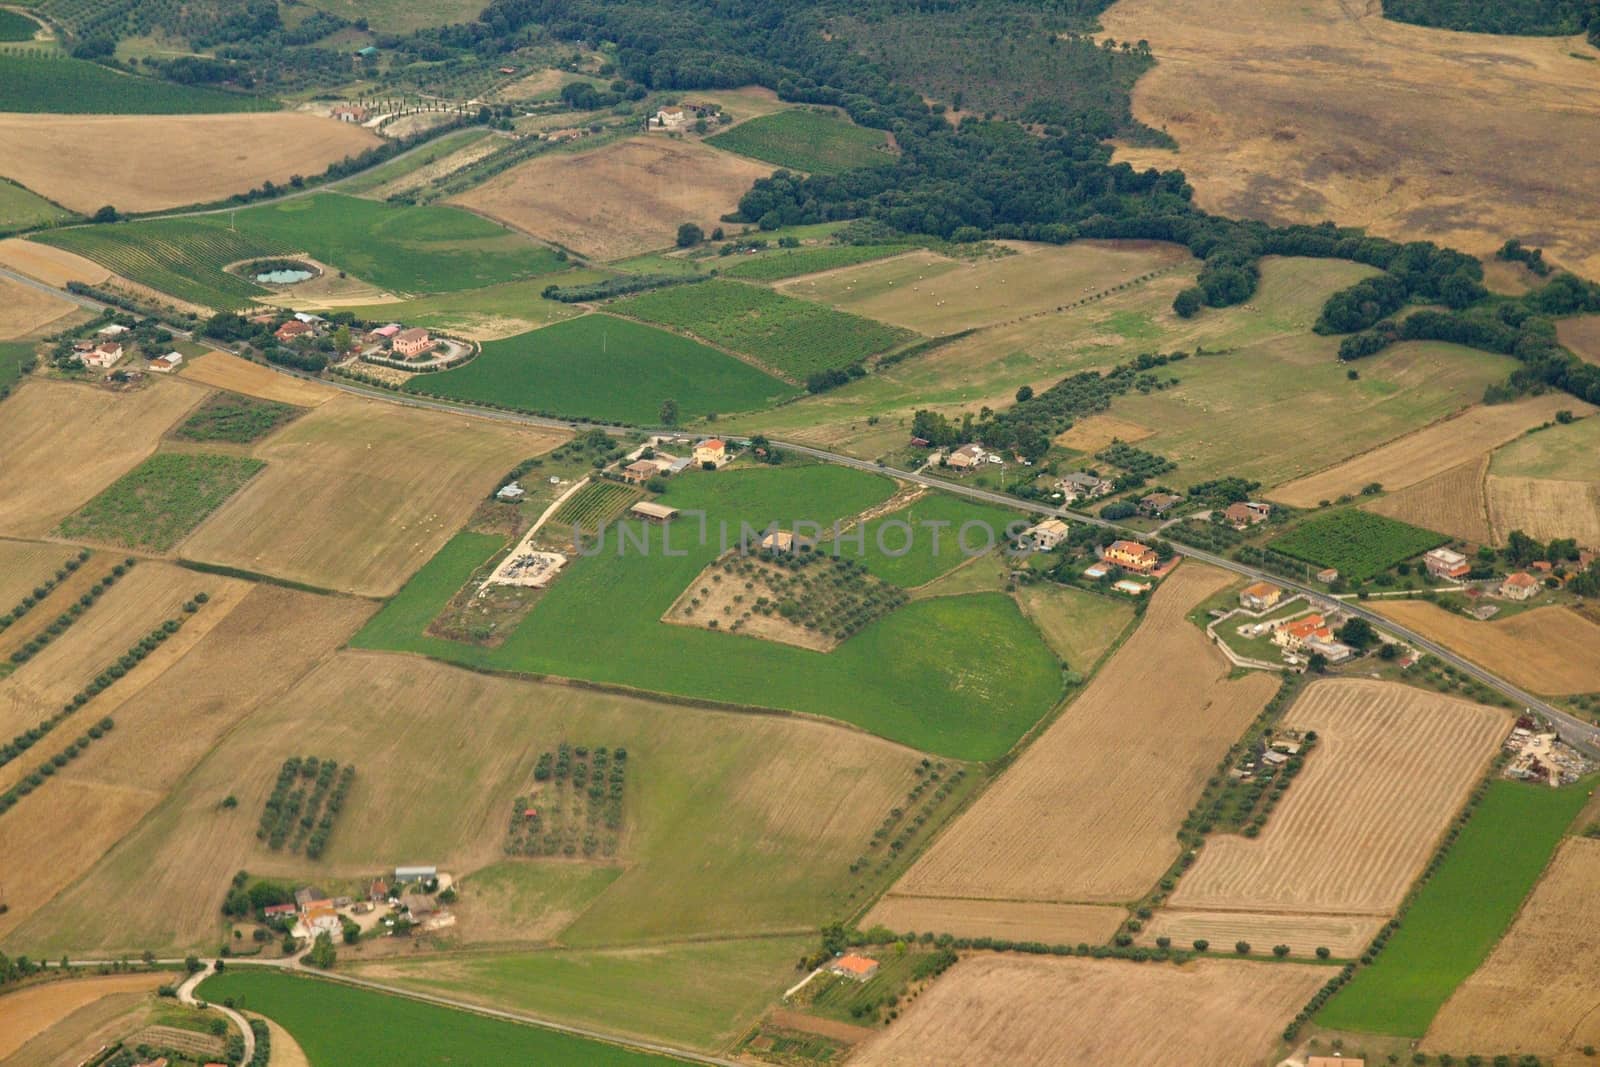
(698, 994)
(1357, 543)
(1460, 912)
(790, 263)
(21, 209)
(54, 83)
(813, 141)
(914, 560)
(156, 504)
(489, 313)
(373, 1027)
(913, 677)
(793, 337)
(602, 367)
(13, 354)
(235, 419)
(1566, 453)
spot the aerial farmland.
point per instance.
(653, 533)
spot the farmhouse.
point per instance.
(378, 890)
(103, 355)
(322, 921)
(420, 905)
(1446, 563)
(1156, 505)
(640, 471)
(1332, 651)
(1328, 575)
(671, 117)
(1080, 485)
(1132, 556)
(278, 911)
(413, 342)
(651, 511)
(1294, 633)
(1519, 586)
(292, 329)
(511, 492)
(860, 968)
(1260, 596)
(711, 451)
(966, 457)
(1246, 513)
(350, 113)
(166, 364)
(1046, 535)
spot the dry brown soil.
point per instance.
(1549, 650)
(1053, 924)
(1451, 502)
(25, 310)
(29, 1012)
(237, 375)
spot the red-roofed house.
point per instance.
(103, 355)
(1294, 634)
(1260, 596)
(292, 329)
(275, 910)
(413, 342)
(852, 966)
(1445, 563)
(711, 451)
(1519, 586)
(1132, 556)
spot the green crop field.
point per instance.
(1357, 543)
(21, 209)
(886, 540)
(794, 337)
(15, 27)
(497, 310)
(963, 676)
(594, 504)
(699, 995)
(156, 504)
(791, 263)
(402, 249)
(817, 142)
(602, 367)
(13, 354)
(236, 419)
(339, 1026)
(1460, 912)
(52, 82)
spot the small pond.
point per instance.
(284, 276)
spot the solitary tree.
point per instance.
(106, 214)
(1025, 393)
(690, 235)
(669, 412)
(1188, 302)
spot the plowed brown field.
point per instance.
(1053, 924)
(1418, 456)
(1096, 1013)
(1391, 767)
(1090, 811)
(1451, 502)
(1536, 993)
(1547, 650)
(237, 375)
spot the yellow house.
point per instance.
(710, 451)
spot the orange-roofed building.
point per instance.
(1132, 556)
(1294, 634)
(711, 451)
(1519, 586)
(1260, 596)
(852, 966)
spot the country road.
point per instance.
(1572, 729)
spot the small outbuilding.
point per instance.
(860, 968)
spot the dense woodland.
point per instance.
(1532, 17)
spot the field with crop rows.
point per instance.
(813, 141)
(236, 419)
(52, 82)
(594, 504)
(792, 263)
(183, 257)
(1358, 544)
(156, 504)
(791, 336)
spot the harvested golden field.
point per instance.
(936, 295)
(1544, 508)
(1451, 502)
(1096, 1013)
(1325, 110)
(26, 310)
(27, 1013)
(64, 442)
(1343, 935)
(249, 655)
(225, 371)
(634, 193)
(80, 1035)
(1090, 812)
(1053, 924)
(1581, 334)
(24, 564)
(1537, 991)
(47, 609)
(1547, 650)
(166, 161)
(1094, 433)
(1421, 455)
(734, 824)
(377, 489)
(1391, 768)
(53, 266)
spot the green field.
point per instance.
(1460, 912)
(1357, 543)
(962, 676)
(402, 249)
(156, 504)
(15, 27)
(791, 263)
(339, 1026)
(21, 209)
(13, 354)
(54, 83)
(699, 995)
(503, 309)
(235, 418)
(818, 142)
(602, 367)
(436, 150)
(922, 563)
(595, 503)
(794, 337)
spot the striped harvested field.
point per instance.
(1344, 935)
(1392, 766)
(1547, 650)
(1052, 924)
(1544, 508)
(1451, 502)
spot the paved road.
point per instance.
(1573, 730)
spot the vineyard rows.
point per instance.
(595, 504)
(177, 256)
